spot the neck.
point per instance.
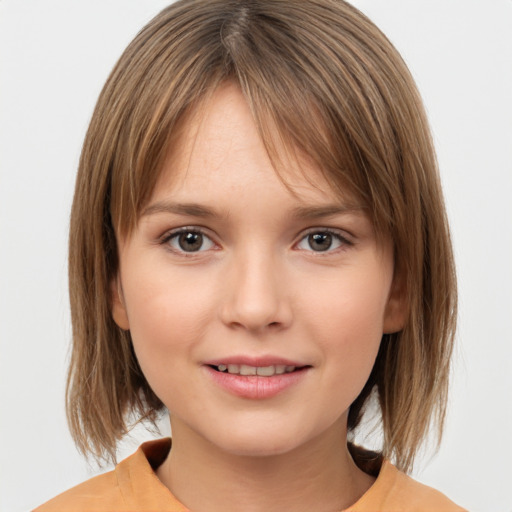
(320, 476)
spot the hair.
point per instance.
(321, 79)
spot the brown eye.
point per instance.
(189, 241)
(320, 241)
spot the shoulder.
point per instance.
(131, 487)
(98, 494)
(420, 497)
(394, 491)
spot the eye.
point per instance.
(322, 241)
(188, 240)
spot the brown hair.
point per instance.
(336, 90)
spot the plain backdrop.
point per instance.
(54, 58)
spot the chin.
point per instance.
(261, 448)
(262, 442)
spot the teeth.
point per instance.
(247, 370)
(266, 371)
(263, 371)
(233, 368)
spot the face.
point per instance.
(256, 309)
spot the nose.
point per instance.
(256, 297)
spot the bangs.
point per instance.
(325, 103)
(327, 92)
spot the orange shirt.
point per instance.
(134, 487)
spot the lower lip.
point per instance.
(254, 386)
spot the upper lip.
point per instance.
(258, 361)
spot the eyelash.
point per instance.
(343, 240)
(174, 234)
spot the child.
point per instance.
(258, 244)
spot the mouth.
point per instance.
(256, 378)
(261, 371)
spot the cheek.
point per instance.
(168, 315)
(348, 321)
(352, 303)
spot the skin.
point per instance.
(257, 286)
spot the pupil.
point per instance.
(320, 241)
(190, 242)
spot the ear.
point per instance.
(397, 309)
(118, 305)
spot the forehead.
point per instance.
(220, 153)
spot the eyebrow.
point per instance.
(198, 210)
(190, 209)
(315, 212)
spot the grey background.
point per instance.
(55, 56)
